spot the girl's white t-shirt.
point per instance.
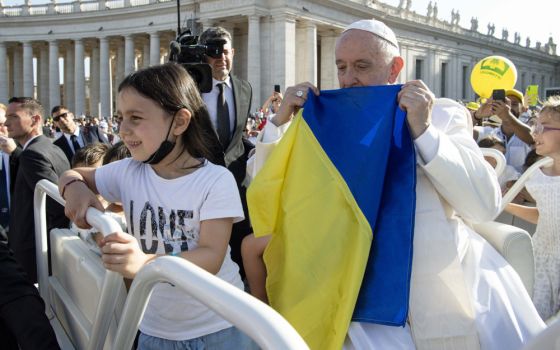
(164, 216)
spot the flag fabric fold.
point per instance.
(323, 197)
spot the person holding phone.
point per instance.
(508, 106)
(273, 102)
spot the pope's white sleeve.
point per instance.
(458, 170)
(266, 142)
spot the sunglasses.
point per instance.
(62, 115)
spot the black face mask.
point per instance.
(164, 149)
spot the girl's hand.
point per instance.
(122, 254)
(79, 197)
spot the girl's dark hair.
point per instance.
(171, 87)
(117, 152)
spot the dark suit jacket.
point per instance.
(14, 164)
(236, 153)
(23, 323)
(40, 160)
(90, 134)
(236, 156)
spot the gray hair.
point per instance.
(213, 33)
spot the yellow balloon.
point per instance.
(493, 72)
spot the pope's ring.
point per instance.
(299, 93)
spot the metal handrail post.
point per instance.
(112, 281)
(520, 183)
(256, 319)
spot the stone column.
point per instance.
(310, 49)
(431, 70)
(105, 97)
(403, 50)
(146, 54)
(329, 74)
(44, 75)
(4, 90)
(79, 76)
(69, 71)
(284, 52)
(254, 59)
(120, 62)
(27, 69)
(455, 77)
(154, 49)
(94, 81)
(18, 71)
(128, 54)
(54, 79)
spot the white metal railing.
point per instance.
(112, 281)
(520, 183)
(256, 319)
(498, 156)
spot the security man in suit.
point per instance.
(229, 105)
(73, 137)
(39, 159)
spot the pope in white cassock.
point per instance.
(463, 295)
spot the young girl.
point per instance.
(544, 186)
(176, 200)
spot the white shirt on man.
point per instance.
(211, 100)
(29, 141)
(78, 137)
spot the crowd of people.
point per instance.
(174, 166)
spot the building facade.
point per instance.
(77, 53)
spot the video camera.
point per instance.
(186, 51)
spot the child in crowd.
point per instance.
(544, 186)
(90, 156)
(509, 175)
(177, 202)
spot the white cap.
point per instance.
(376, 27)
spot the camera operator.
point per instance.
(229, 105)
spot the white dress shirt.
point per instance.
(29, 141)
(79, 138)
(211, 100)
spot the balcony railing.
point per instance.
(71, 7)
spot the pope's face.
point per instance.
(360, 61)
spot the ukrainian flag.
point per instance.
(342, 177)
